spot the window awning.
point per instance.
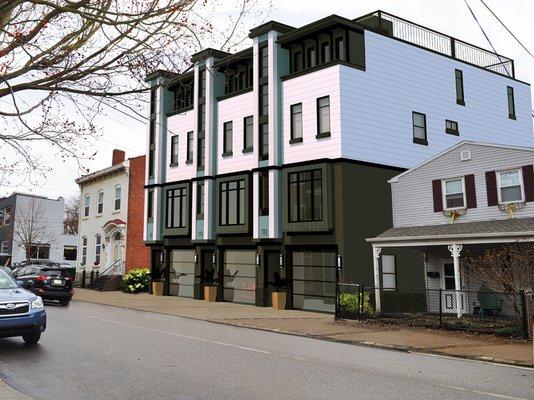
(496, 231)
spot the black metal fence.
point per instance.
(482, 311)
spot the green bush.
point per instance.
(135, 281)
(351, 302)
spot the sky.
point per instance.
(451, 17)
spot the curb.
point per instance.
(404, 349)
(8, 392)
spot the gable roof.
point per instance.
(457, 145)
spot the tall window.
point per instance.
(264, 61)
(69, 253)
(264, 193)
(232, 204)
(248, 134)
(511, 102)
(201, 141)
(323, 116)
(118, 196)
(150, 205)
(510, 186)
(7, 216)
(325, 52)
(200, 200)
(189, 147)
(419, 128)
(174, 150)
(227, 138)
(388, 272)
(176, 207)
(264, 141)
(201, 150)
(84, 250)
(264, 100)
(305, 196)
(296, 123)
(5, 247)
(39, 251)
(459, 87)
(100, 204)
(87, 202)
(339, 46)
(98, 248)
(202, 83)
(311, 55)
(451, 127)
(454, 194)
(152, 133)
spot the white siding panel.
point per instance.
(377, 105)
(412, 194)
(306, 89)
(235, 109)
(179, 125)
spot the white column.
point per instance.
(376, 265)
(455, 250)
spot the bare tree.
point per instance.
(72, 215)
(33, 227)
(62, 61)
(508, 269)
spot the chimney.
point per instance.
(118, 157)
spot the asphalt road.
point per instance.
(91, 351)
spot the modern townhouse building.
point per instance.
(110, 229)
(466, 200)
(31, 228)
(276, 159)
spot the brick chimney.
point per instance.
(118, 157)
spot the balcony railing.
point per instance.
(440, 43)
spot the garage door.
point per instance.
(182, 273)
(314, 277)
(240, 276)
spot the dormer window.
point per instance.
(454, 194)
(510, 185)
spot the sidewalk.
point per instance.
(323, 326)
(9, 393)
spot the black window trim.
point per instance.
(189, 147)
(174, 156)
(248, 147)
(510, 97)
(320, 134)
(415, 139)
(298, 181)
(183, 197)
(451, 130)
(226, 183)
(228, 147)
(459, 84)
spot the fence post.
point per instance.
(440, 308)
(336, 304)
(96, 278)
(84, 273)
(91, 279)
(526, 301)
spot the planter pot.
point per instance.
(210, 293)
(157, 288)
(279, 300)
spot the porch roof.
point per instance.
(497, 231)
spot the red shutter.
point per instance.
(491, 188)
(470, 192)
(438, 199)
(528, 181)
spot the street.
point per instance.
(92, 351)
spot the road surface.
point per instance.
(92, 351)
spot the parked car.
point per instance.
(22, 313)
(51, 283)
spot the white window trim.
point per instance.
(115, 200)
(498, 173)
(100, 247)
(86, 206)
(84, 246)
(444, 193)
(394, 273)
(101, 191)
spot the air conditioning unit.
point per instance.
(465, 155)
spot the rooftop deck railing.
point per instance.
(440, 43)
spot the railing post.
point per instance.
(91, 279)
(453, 47)
(440, 307)
(96, 275)
(84, 273)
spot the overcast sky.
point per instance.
(450, 17)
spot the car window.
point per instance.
(51, 272)
(6, 281)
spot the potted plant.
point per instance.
(210, 285)
(279, 295)
(158, 285)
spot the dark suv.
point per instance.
(51, 283)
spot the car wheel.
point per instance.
(33, 337)
(64, 303)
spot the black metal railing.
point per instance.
(482, 311)
(436, 41)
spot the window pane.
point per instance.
(249, 131)
(241, 216)
(418, 119)
(388, 281)
(510, 178)
(454, 186)
(293, 202)
(224, 217)
(419, 132)
(511, 193)
(455, 200)
(317, 200)
(306, 201)
(232, 207)
(296, 121)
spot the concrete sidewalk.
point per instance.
(323, 326)
(9, 393)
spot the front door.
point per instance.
(182, 273)
(274, 272)
(448, 295)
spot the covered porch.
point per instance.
(449, 288)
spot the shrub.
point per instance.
(351, 302)
(135, 281)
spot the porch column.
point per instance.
(376, 265)
(455, 250)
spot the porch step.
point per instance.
(108, 283)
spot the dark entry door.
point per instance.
(272, 260)
(314, 277)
